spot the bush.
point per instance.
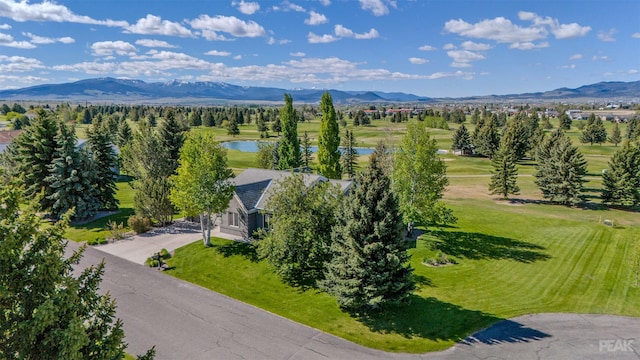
(139, 224)
(117, 230)
(156, 258)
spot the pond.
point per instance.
(252, 146)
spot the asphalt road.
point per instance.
(185, 321)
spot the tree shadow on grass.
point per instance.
(477, 246)
(233, 248)
(428, 318)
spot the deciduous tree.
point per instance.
(329, 140)
(419, 179)
(302, 218)
(290, 156)
(201, 185)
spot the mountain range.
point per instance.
(124, 91)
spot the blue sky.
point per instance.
(436, 48)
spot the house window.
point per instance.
(234, 220)
(266, 221)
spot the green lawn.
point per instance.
(514, 257)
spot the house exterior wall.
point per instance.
(226, 227)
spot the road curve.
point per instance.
(185, 321)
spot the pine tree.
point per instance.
(172, 138)
(621, 181)
(124, 134)
(488, 139)
(307, 154)
(72, 178)
(369, 268)
(505, 174)
(35, 151)
(633, 129)
(515, 139)
(290, 155)
(105, 162)
(462, 140)
(329, 140)
(594, 131)
(48, 312)
(564, 122)
(349, 158)
(560, 170)
(615, 137)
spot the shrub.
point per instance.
(117, 230)
(139, 224)
(164, 254)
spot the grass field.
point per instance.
(514, 257)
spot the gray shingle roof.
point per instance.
(255, 186)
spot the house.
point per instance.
(248, 209)
(6, 137)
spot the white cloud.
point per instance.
(418, 61)
(632, 71)
(108, 48)
(463, 58)
(23, 11)
(427, 48)
(528, 45)
(9, 64)
(636, 35)
(8, 40)
(5, 27)
(471, 46)
(343, 32)
(576, 57)
(377, 7)
(237, 57)
(154, 25)
(315, 19)
(217, 53)
(570, 66)
(247, 8)
(458, 74)
(288, 6)
(298, 54)
(449, 46)
(14, 79)
(607, 36)
(228, 24)
(35, 39)
(325, 2)
(320, 39)
(601, 58)
(502, 30)
(154, 43)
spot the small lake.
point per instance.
(252, 146)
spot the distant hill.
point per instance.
(122, 90)
(110, 89)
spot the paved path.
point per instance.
(185, 321)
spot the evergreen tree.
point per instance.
(505, 174)
(149, 162)
(369, 268)
(564, 121)
(621, 181)
(72, 178)
(488, 139)
(594, 131)
(207, 119)
(276, 125)
(329, 140)
(172, 138)
(267, 156)
(105, 162)
(35, 151)
(560, 170)
(615, 137)
(48, 312)
(633, 129)
(290, 155)
(516, 139)
(307, 154)
(124, 134)
(462, 140)
(261, 126)
(349, 158)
